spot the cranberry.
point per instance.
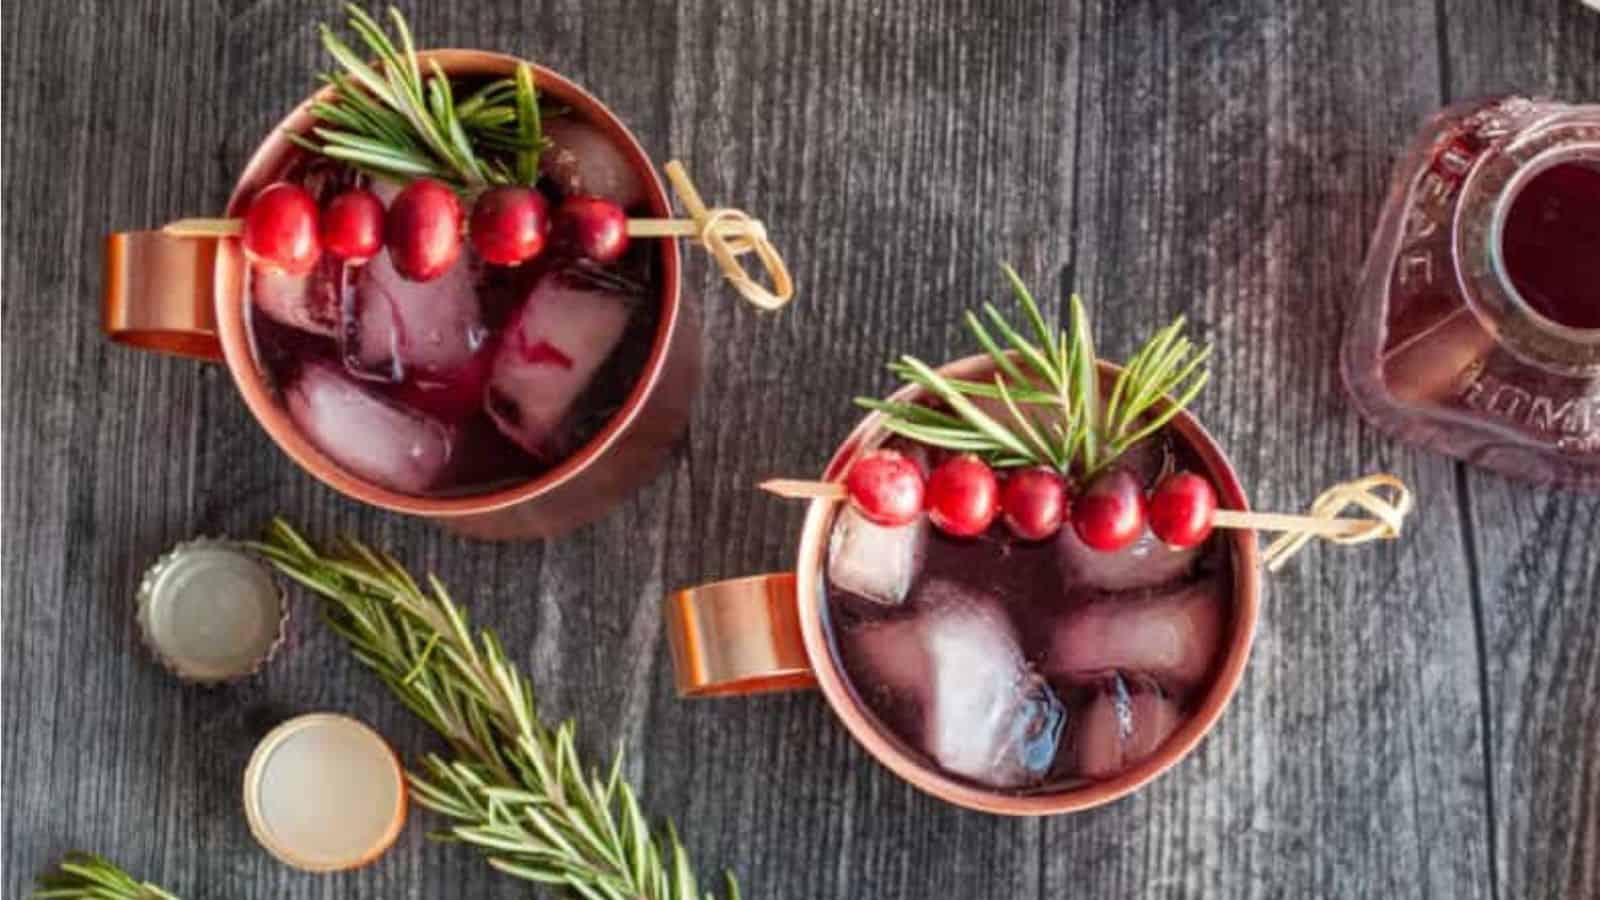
(963, 496)
(886, 487)
(1034, 503)
(1182, 508)
(509, 225)
(423, 230)
(352, 225)
(597, 227)
(1108, 514)
(280, 228)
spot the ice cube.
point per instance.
(1170, 636)
(1120, 727)
(874, 561)
(376, 440)
(398, 325)
(548, 353)
(984, 714)
(581, 159)
(1146, 562)
(309, 302)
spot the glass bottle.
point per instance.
(1476, 326)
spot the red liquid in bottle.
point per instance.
(1551, 244)
(1476, 325)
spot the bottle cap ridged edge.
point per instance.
(145, 600)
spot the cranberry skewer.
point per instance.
(726, 234)
(1325, 522)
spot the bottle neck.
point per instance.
(1517, 261)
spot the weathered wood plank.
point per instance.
(1536, 551)
(1233, 159)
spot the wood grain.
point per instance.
(1418, 719)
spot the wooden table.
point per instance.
(1418, 719)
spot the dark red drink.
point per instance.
(479, 378)
(1026, 666)
(1551, 243)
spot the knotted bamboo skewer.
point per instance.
(724, 233)
(1324, 521)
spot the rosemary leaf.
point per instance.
(490, 95)
(359, 70)
(85, 876)
(1029, 306)
(1030, 353)
(529, 127)
(974, 416)
(484, 122)
(1173, 407)
(1024, 423)
(1026, 394)
(950, 439)
(377, 164)
(1002, 359)
(910, 412)
(1085, 380)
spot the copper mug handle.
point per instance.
(159, 294)
(740, 636)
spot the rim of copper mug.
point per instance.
(268, 409)
(898, 758)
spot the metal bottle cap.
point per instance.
(324, 792)
(210, 611)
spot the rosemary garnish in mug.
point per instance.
(515, 788)
(391, 122)
(85, 876)
(1049, 391)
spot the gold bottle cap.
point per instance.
(211, 611)
(323, 792)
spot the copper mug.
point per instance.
(765, 633)
(186, 296)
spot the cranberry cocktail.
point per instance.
(1027, 661)
(1024, 589)
(442, 291)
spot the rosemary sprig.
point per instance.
(390, 121)
(1044, 403)
(515, 788)
(85, 876)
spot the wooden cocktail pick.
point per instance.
(724, 233)
(1388, 509)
